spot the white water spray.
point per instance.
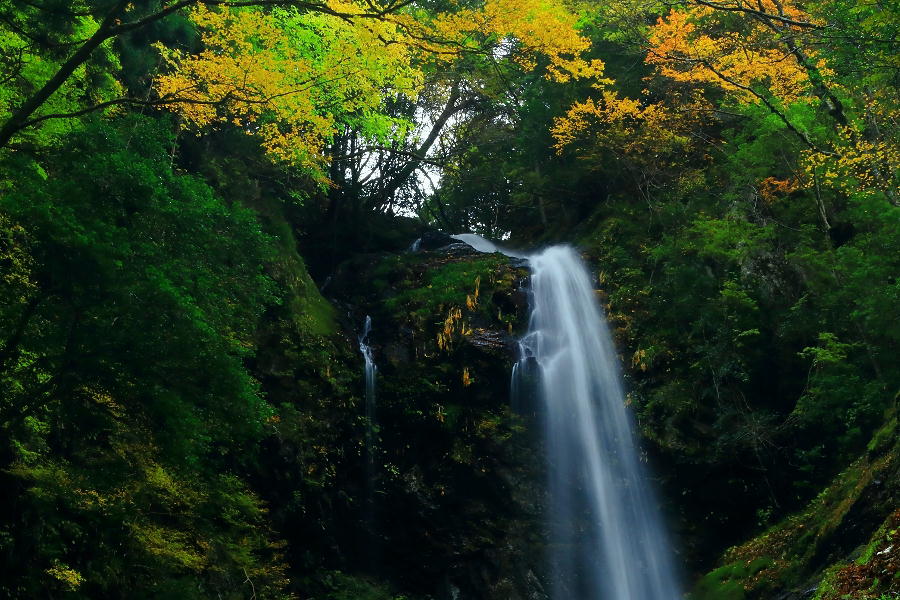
(608, 542)
(484, 245)
(370, 371)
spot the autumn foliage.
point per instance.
(292, 77)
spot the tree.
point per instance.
(298, 79)
(724, 59)
(549, 30)
(108, 19)
(133, 303)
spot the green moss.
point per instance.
(349, 587)
(710, 588)
(728, 582)
(312, 313)
(441, 286)
(826, 587)
(873, 575)
(799, 541)
(884, 437)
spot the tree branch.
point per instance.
(774, 109)
(762, 14)
(16, 121)
(451, 108)
(111, 27)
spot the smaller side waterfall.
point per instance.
(370, 370)
(370, 424)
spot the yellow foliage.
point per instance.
(289, 77)
(451, 324)
(284, 77)
(771, 188)
(639, 359)
(69, 578)
(535, 27)
(630, 126)
(732, 60)
(859, 164)
(748, 59)
(467, 378)
(472, 299)
(454, 324)
(745, 59)
(171, 545)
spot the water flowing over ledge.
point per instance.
(607, 539)
(370, 369)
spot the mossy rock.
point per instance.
(313, 315)
(426, 286)
(874, 575)
(727, 583)
(834, 540)
(457, 482)
(884, 437)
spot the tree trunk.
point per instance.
(19, 118)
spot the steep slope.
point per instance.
(844, 545)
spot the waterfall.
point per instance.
(484, 245)
(476, 241)
(607, 538)
(370, 370)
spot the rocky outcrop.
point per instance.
(432, 240)
(457, 477)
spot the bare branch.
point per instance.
(762, 98)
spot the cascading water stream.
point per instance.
(484, 245)
(608, 542)
(370, 371)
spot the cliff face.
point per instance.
(456, 486)
(450, 505)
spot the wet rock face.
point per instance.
(458, 482)
(492, 341)
(457, 249)
(432, 240)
